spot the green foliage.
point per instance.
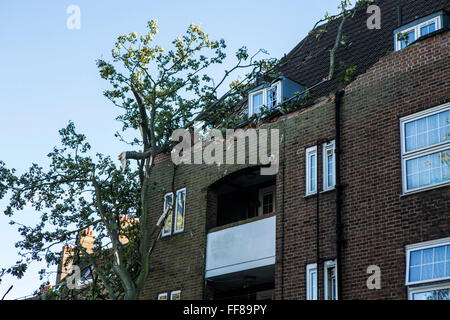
(349, 73)
(157, 91)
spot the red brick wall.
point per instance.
(377, 221)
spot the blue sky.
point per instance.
(49, 76)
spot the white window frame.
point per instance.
(325, 148)
(412, 291)
(176, 212)
(278, 86)
(422, 246)
(310, 269)
(439, 147)
(326, 265)
(175, 292)
(416, 28)
(250, 103)
(162, 295)
(309, 152)
(165, 234)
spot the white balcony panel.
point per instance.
(247, 246)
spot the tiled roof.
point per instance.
(308, 63)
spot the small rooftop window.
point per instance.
(270, 95)
(410, 32)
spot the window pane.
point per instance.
(427, 256)
(268, 203)
(427, 272)
(414, 274)
(313, 286)
(257, 102)
(427, 131)
(312, 172)
(441, 294)
(330, 171)
(272, 97)
(415, 258)
(331, 283)
(427, 29)
(175, 296)
(180, 208)
(162, 296)
(444, 126)
(411, 39)
(168, 200)
(428, 170)
(438, 271)
(439, 254)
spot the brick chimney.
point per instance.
(65, 264)
(87, 240)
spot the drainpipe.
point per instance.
(283, 219)
(338, 151)
(318, 226)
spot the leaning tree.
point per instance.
(157, 91)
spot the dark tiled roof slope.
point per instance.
(308, 62)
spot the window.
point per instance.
(177, 214)
(311, 281)
(406, 35)
(162, 296)
(175, 295)
(180, 211)
(311, 170)
(257, 101)
(425, 146)
(168, 201)
(428, 262)
(330, 280)
(266, 200)
(269, 96)
(329, 170)
(272, 96)
(428, 28)
(430, 293)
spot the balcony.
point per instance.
(240, 246)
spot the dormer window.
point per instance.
(271, 95)
(409, 33)
(257, 101)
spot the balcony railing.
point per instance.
(241, 247)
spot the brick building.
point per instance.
(363, 182)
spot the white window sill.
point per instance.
(310, 195)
